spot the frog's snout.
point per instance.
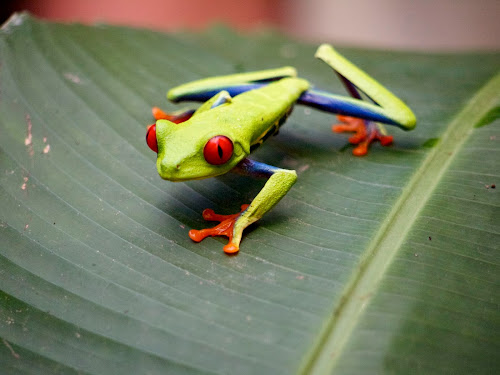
(169, 171)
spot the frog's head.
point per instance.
(187, 153)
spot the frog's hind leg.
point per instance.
(203, 89)
(357, 115)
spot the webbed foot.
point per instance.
(225, 228)
(175, 117)
(366, 132)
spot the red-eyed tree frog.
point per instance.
(241, 111)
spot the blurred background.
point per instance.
(432, 25)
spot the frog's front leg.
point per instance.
(175, 117)
(232, 226)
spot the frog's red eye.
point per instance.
(151, 138)
(218, 150)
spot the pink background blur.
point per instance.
(406, 24)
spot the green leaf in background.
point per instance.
(382, 264)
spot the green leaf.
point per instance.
(382, 264)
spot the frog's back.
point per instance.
(251, 117)
(262, 111)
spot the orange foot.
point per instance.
(366, 133)
(225, 228)
(176, 118)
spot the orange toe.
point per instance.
(158, 114)
(231, 248)
(360, 150)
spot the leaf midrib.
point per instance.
(393, 231)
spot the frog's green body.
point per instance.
(241, 111)
(247, 119)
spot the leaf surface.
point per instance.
(382, 264)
